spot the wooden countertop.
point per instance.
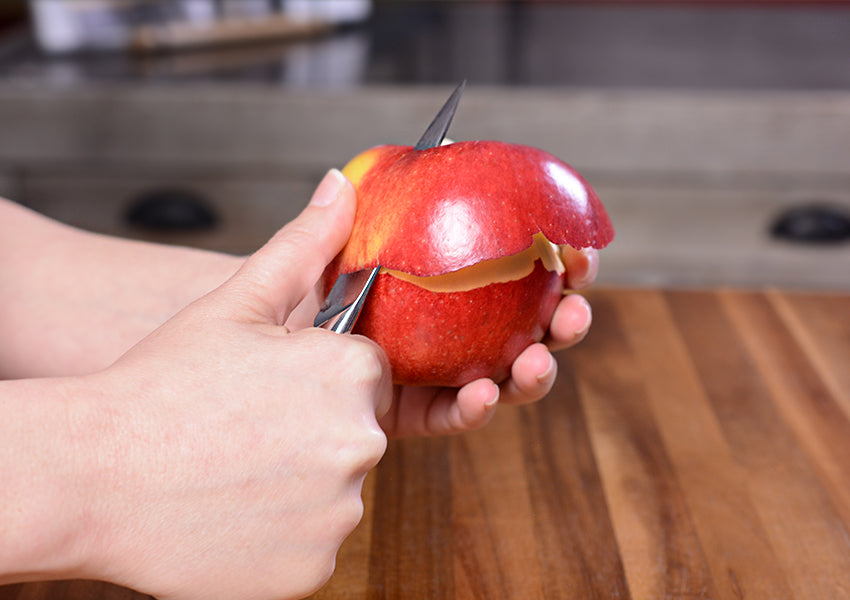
(697, 444)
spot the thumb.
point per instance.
(275, 278)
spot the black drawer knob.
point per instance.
(815, 223)
(172, 210)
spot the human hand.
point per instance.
(439, 411)
(231, 451)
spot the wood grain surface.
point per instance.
(696, 445)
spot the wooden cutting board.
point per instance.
(696, 445)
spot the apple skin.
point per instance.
(452, 338)
(429, 212)
(439, 210)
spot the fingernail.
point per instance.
(495, 399)
(546, 375)
(591, 258)
(329, 189)
(588, 316)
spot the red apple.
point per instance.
(467, 236)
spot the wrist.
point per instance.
(47, 522)
(96, 295)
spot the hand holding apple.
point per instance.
(426, 410)
(471, 237)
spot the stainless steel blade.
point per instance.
(335, 302)
(349, 316)
(345, 293)
(436, 132)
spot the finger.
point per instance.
(532, 376)
(475, 404)
(441, 411)
(570, 322)
(378, 366)
(302, 315)
(275, 279)
(582, 266)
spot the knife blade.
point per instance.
(436, 132)
(347, 296)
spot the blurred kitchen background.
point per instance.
(717, 133)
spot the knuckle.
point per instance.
(351, 518)
(341, 521)
(363, 451)
(366, 363)
(345, 519)
(374, 448)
